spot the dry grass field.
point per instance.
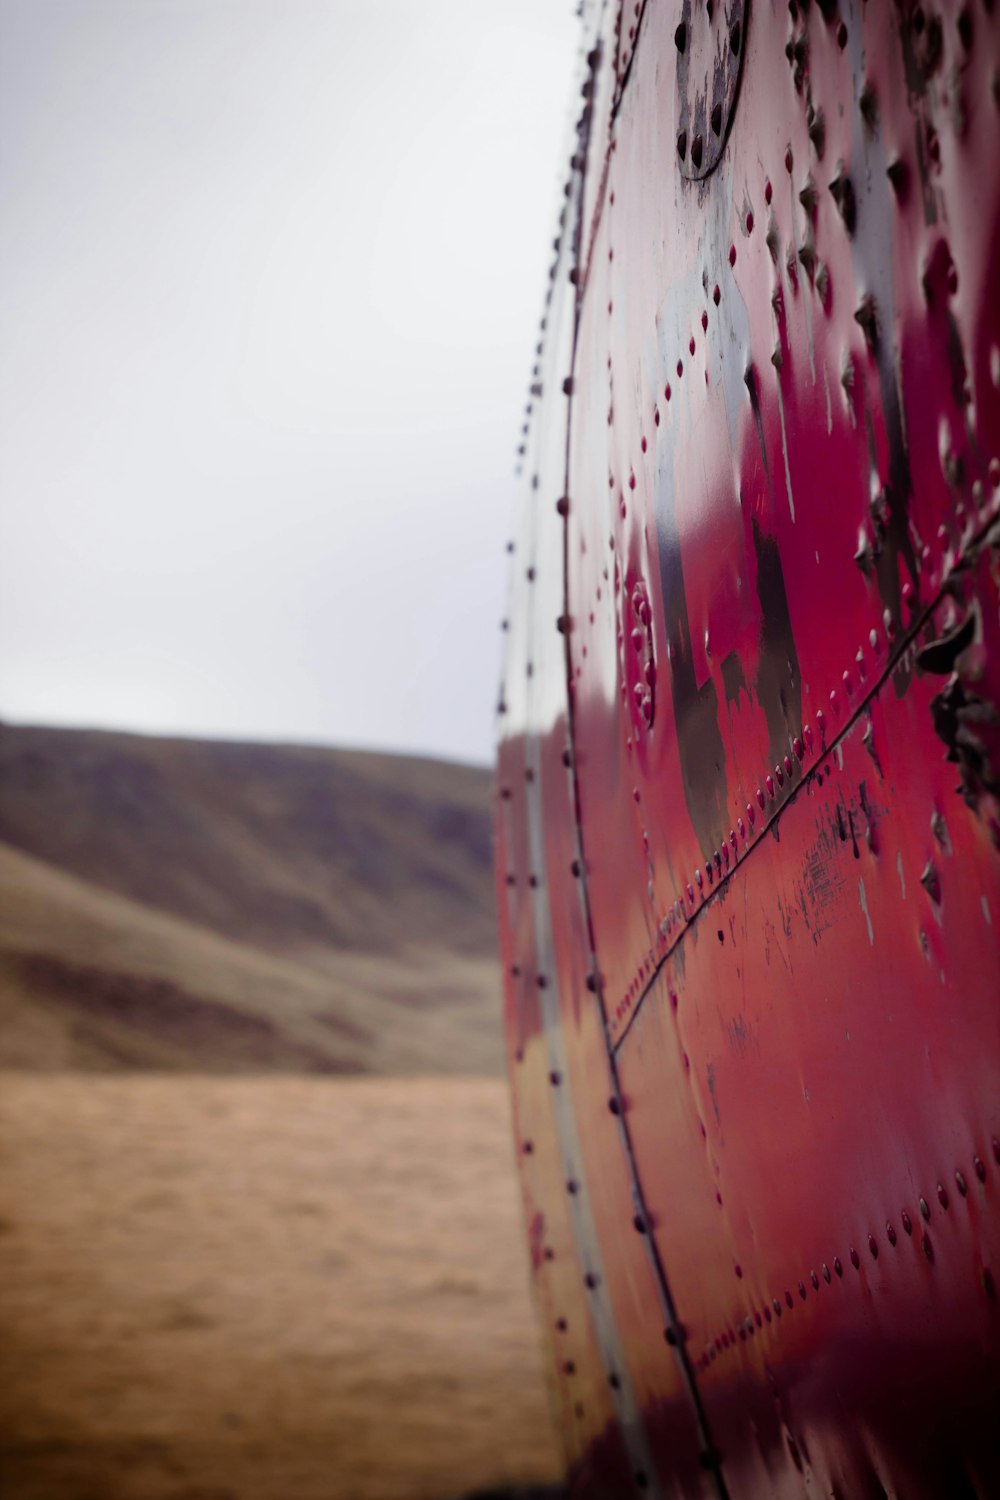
(263, 1289)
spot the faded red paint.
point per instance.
(754, 769)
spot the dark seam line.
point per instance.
(617, 103)
(974, 541)
(666, 1297)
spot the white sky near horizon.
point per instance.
(270, 279)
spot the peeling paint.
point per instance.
(899, 871)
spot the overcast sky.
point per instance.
(270, 278)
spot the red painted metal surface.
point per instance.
(749, 766)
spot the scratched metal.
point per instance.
(776, 865)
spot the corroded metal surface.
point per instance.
(749, 761)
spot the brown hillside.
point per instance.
(230, 907)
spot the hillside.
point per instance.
(218, 907)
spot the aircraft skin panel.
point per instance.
(748, 812)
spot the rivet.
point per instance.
(555, 1078)
(924, 1208)
(837, 1265)
(528, 1148)
(571, 1186)
(680, 37)
(561, 1325)
(682, 145)
(696, 152)
(802, 1290)
(760, 799)
(942, 1195)
(751, 815)
(732, 255)
(666, 390)
(590, 1281)
(890, 1234)
(680, 368)
(927, 1247)
(749, 222)
(779, 776)
(769, 783)
(639, 1224)
(815, 1280)
(569, 1368)
(777, 1307)
(855, 1259)
(873, 1246)
(826, 1273)
(789, 1299)
(613, 1381)
(716, 295)
(907, 1222)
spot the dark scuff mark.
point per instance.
(854, 837)
(868, 740)
(733, 680)
(956, 363)
(750, 381)
(960, 717)
(871, 837)
(741, 1037)
(696, 709)
(778, 684)
(711, 1090)
(941, 655)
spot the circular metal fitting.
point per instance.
(710, 40)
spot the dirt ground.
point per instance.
(264, 1288)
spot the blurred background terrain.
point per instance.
(260, 1231)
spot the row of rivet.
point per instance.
(757, 1317)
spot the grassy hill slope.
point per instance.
(225, 907)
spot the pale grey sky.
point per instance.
(270, 278)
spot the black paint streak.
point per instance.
(778, 684)
(696, 709)
(733, 680)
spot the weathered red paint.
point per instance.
(748, 829)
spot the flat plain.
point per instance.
(252, 1288)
